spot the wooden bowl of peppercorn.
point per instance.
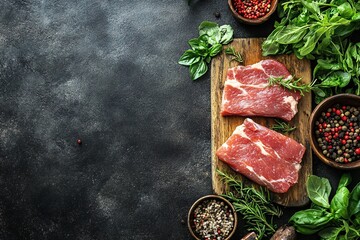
(335, 131)
(252, 12)
(212, 216)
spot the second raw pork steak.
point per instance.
(263, 155)
(247, 92)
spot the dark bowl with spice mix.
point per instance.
(335, 131)
(212, 217)
(252, 12)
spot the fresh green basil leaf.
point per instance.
(212, 30)
(345, 180)
(197, 43)
(340, 202)
(292, 34)
(198, 69)
(345, 10)
(215, 49)
(311, 219)
(357, 219)
(306, 230)
(189, 57)
(208, 59)
(227, 33)
(353, 233)
(318, 190)
(354, 201)
(330, 233)
(207, 27)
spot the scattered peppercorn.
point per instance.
(252, 9)
(337, 133)
(213, 219)
(217, 14)
(79, 141)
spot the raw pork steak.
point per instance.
(263, 155)
(246, 92)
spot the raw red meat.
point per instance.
(246, 92)
(263, 155)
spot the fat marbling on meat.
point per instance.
(263, 155)
(247, 92)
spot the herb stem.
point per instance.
(291, 84)
(254, 204)
(236, 55)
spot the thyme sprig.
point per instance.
(236, 55)
(291, 84)
(281, 126)
(254, 205)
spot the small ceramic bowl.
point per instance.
(342, 99)
(204, 200)
(256, 21)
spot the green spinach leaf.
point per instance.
(346, 10)
(271, 46)
(336, 79)
(291, 34)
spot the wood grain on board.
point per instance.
(223, 127)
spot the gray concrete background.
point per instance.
(106, 72)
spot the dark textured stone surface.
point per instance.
(105, 72)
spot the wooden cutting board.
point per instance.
(223, 127)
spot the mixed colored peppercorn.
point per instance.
(213, 220)
(252, 9)
(338, 133)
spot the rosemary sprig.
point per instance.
(236, 55)
(291, 84)
(281, 126)
(254, 204)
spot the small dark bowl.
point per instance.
(249, 21)
(342, 99)
(201, 200)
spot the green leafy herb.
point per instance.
(281, 126)
(291, 84)
(254, 204)
(209, 44)
(236, 55)
(318, 190)
(319, 30)
(338, 220)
